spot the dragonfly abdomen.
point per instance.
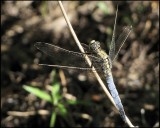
(115, 95)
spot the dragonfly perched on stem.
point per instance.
(99, 58)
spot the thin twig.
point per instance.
(28, 113)
(89, 62)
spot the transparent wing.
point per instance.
(116, 46)
(112, 45)
(67, 59)
(120, 41)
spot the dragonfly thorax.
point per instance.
(105, 60)
(94, 45)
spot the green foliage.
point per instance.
(39, 93)
(140, 8)
(44, 8)
(53, 119)
(127, 20)
(56, 93)
(74, 102)
(55, 98)
(103, 7)
(62, 108)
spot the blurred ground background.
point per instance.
(136, 71)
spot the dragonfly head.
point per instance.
(94, 45)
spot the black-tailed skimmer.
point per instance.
(100, 60)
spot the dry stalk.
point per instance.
(89, 62)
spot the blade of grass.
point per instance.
(56, 93)
(39, 93)
(62, 109)
(53, 119)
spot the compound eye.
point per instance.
(98, 44)
(93, 42)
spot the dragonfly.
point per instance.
(99, 59)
